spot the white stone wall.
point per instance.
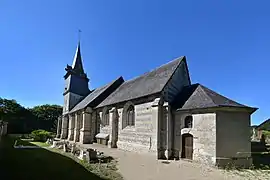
(102, 129)
(204, 136)
(138, 138)
(141, 137)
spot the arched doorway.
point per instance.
(187, 146)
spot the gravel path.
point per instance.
(134, 166)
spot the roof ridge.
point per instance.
(136, 77)
(220, 95)
(180, 59)
(101, 89)
(202, 88)
(146, 84)
(175, 59)
(112, 81)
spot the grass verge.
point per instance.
(104, 170)
(44, 164)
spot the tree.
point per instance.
(46, 116)
(22, 120)
(19, 118)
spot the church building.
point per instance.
(160, 112)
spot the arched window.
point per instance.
(106, 117)
(188, 122)
(130, 116)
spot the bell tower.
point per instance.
(76, 82)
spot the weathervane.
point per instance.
(79, 35)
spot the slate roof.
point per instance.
(264, 125)
(197, 96)
(97, 93)
(77, 61)
(146, 84)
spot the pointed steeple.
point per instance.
(77, 64)
(76, 82)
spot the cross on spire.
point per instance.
(77, 61)
(79, 35)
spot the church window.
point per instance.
(130, 116)
(188, 122)
(106, 118)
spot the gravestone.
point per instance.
(65, 147)
(57, 144)
(54, 144)
(73, 148)
(91, 154)
(82, 155)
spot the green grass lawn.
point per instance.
(38, 164)
(41, 144)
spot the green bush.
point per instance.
(266, 133)
(41, 135)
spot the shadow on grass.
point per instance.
(38, 164)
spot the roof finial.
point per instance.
(79, 36)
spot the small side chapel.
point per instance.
(159, 112)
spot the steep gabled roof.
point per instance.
(98, 95)
(149, 83)
(197, 96)
(77, 64)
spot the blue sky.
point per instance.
(226, 44)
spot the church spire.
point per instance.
(77, 64)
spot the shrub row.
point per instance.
(41, 135)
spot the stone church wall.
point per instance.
(102, 128)
(141, 137)
(204, 136)
(234, 140)
(70, 100)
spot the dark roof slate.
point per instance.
(88, 100)
(77, 61)
(147, 84)
(264, 125)
(197, 96)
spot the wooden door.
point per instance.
(187, 146)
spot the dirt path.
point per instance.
(135, 166)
